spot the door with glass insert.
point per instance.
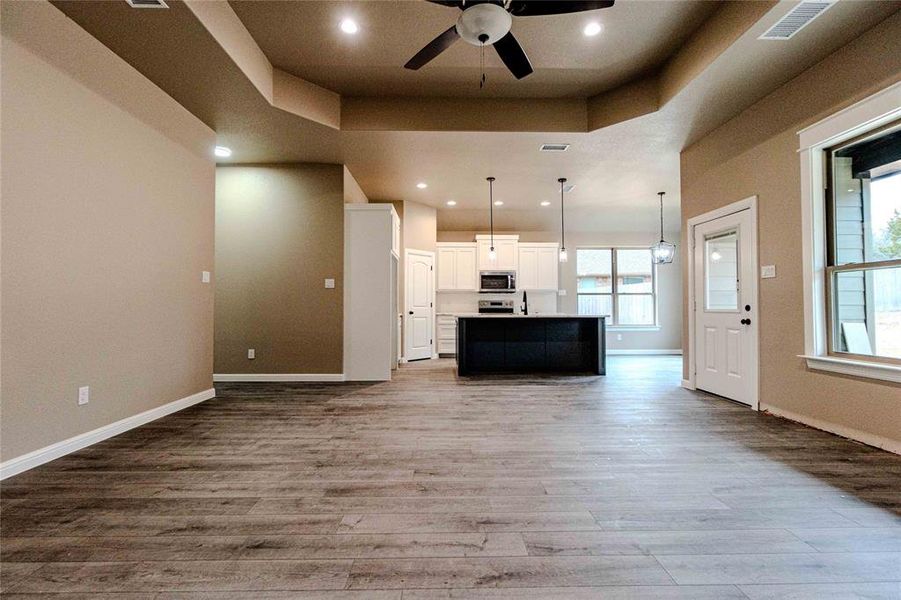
(724, 267)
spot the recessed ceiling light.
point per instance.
(421, 185)
(498, 202)
(545, 203)
(452, 203)
(592, 29)
(222, 152)
(349, 26)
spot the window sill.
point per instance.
(634, 328)
(857, 368)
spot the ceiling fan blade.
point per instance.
(536, 8)
(433, 49)
(513, 56)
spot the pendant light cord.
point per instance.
(491, 208)
(562, 180)
(661, 214)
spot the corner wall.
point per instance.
(107, 224)
(756, 154)
(279, 235)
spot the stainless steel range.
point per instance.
(496, 306)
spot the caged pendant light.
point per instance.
(663, 252)
(563, 255)
(492, 253)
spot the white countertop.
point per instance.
(519, 316)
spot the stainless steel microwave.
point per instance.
(497, 282)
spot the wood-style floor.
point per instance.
(625, 487)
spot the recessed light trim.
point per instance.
(451, 203)
(422, 185)
(349, 26)
(222, 151)
(592, 29)
(545, 203)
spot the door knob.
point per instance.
(411, 312)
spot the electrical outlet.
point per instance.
(251, 353)
(619, 337)
(205, 277)
(329, 284)
(561, 292)
(767, 271)
(84, 395)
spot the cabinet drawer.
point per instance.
(447, 321)
(447, 333)
(447, 347)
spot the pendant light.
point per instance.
(663, 251)
(563, 255)
(492, 254)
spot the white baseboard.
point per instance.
(847, 432)
(38, 457)
(688, 385)
(628, 351)
(273, 377)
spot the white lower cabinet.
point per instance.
(447, 334)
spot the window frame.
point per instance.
(614, 294)
(879, 109)
(831, 270)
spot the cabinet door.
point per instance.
(527, 276)
(467, 276)
(547, 265)
(484, 263)
(506, 254)
(447, 268)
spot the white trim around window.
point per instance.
(868, 114)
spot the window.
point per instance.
(619, 283)
(863, 246)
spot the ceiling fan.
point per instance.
(488, 22)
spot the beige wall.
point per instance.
(756, 154)
(669, 284)
(353, 193)
(279, 235)
(107, 223)
(420, 224)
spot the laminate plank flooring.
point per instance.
(625, 487)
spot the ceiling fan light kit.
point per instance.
(489, 22)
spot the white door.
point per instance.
(725, 307)
(419, 277)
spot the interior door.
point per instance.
(418, 324)
(725, 314)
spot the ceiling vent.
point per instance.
(147, 4)
(796, 19)
(554, 147)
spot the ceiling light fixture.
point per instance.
(492, 255)
(563, 255)
(422, 185)
(592, 29)
(663, 252)
(451, 203)
(545, 203)
(349, 26)
(222, 151)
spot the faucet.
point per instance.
(525, 303)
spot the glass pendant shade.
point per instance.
(563, 255)
(662, 252)
(492, 254)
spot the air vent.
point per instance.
(796, 19)
(554, 147)
(147, 4)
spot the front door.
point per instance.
(724, 267)
(419, 276)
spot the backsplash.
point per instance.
(468, 302)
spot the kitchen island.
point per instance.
(531, 344)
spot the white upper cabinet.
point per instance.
(507, 249)
(538, 266)
(457, 267)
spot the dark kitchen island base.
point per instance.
(530, 344)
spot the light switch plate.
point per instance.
(329, 284)
(767, 271)
(251, 353)
(84, 395)
(561, 292)
(205, 277)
